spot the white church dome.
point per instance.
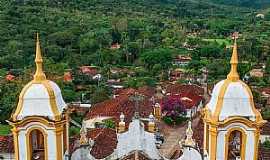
(232, 97)
(40, 97)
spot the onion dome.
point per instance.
(40, 97)
(232, 97)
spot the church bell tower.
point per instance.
(39, 125)
(231, 121)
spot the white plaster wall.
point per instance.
(221, 145)
(250, 145)
(51, 139)
(22, 145)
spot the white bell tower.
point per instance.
(39, 124)
(231, 121)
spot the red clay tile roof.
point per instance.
(265, 90)
(10, 77)
(266, 129)
(264, 153)
(67, 77)
(6, 144)
(114, 107)
(88, 70)
(184, 88)
(105, 142)
(197, 133)
(141, 156)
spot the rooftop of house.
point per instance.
(89, 70)
(136, 155)
(184, 88)
(6, 144)
(123, 104)
(105, 141)
(266, 129)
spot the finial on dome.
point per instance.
(39, 75)
(233, 75)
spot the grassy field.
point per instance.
(4, 129)
(219, 41)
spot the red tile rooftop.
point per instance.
(6, 144)
(266, 129)
(105, 142)
(114, 107)
(183, 88)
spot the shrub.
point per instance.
(266, 144)
(168, 120)
(109, 123)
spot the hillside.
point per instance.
(150, 34)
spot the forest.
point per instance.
(79, 33)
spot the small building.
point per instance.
(258, 73)
(6, 147)
(181, 60)
(89, 70)
(265, 133)
(68, 77)
(177, 74)
(10, 77)
(115, 46)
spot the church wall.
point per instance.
(221, 145)
(250, 145)
(22, 145)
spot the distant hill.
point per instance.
(258, 4)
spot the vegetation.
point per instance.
(150, 34)
(266, 144)
(4, 130)
(109, 123)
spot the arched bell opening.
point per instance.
(235, 145)
(37, 145)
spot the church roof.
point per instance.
(232, 97)
(134, 155)
(6, 144)
(40, 97)
(105, 141)
(137, 139)
(123, 104)
(266, 129)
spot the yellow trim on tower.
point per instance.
(16, 142)
(255, 111)
(38, 119)
(54, 108)
(256, 139)
(220, 100)
(45, 136)
(213, 142)
(243, 143)
(59, 142)
(20, 103)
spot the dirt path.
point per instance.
(172, 137)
